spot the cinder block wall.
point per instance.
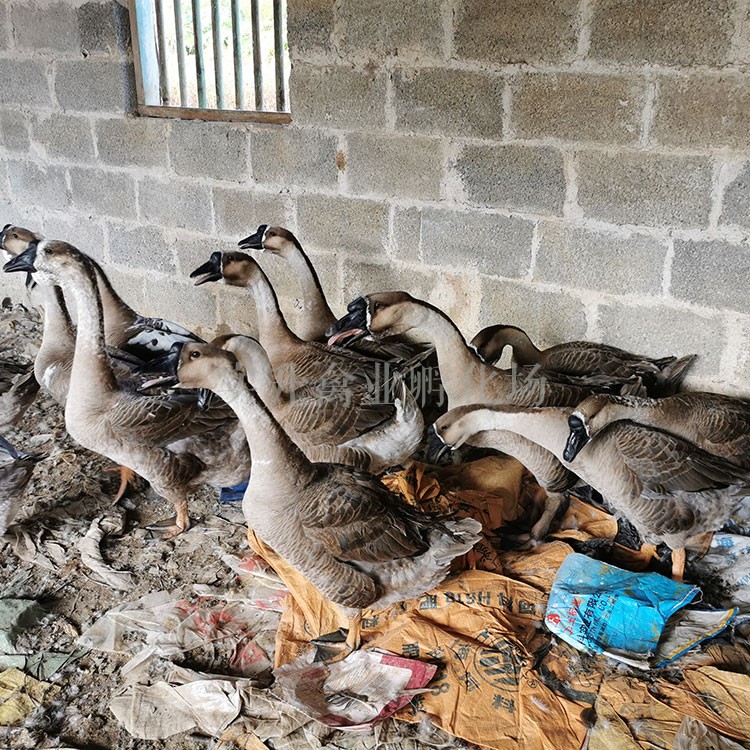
(580, 168)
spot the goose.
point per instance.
(323, 423)
(467, 379)
(147, 433)
(359, 544)
(583, 359)
(298, 364)
(15, 471)
(716, 423)
(125, 329)
(131, 339)
(667, 487)
(318, 316)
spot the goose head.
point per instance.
(233, 268)
(14, 240)
(490, 342)
(456, 426)
(202, 366)
(590, 416)
(52, 262)
(274, 240)
(382, 314)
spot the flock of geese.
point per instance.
(313, 415)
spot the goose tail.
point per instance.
(671, 377)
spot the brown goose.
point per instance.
(299, 364)
(323, 423)
(668, 488)
(359, 544)
(318, 317)
(467, 379)
(583, 359)
(716, 423)
(145, 433)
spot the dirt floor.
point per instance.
(70, 488)
(71, 492)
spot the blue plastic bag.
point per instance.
(602, 609)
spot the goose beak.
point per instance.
(578, 437)
(352, 327)
(23, 262)
(254, 241)
(436, 446)
(209, 271)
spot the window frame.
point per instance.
(190, 113)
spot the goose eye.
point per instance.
(271, 234)
(195, 355)
(377, 306)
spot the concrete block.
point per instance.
(449, 102)
(128, 285)
(104, 27)
(644, 188)
(670, 32)
(99, 192)
(406, 166)
(414, 28)
(19, 212)
(144, 247)
(286, 156)
(741, 364)
(587, 259)
(85, 232)
(240, 211)
(24, 82)
(526, 178)
(736, 203)
(548, 317)
(66, 136)
(193, 249)
(14, 130)
(707, 273)
(342, 225)
(45, 27)
(661, 330)
(309, 25)
(42, 186)
(93, 85)
(209, 149)
(361, 277)
(338, 97)
(133, 141)
(406, 234)
(703, 111)
(516, 31)
(236, 311)
(489, 243)
(175, 204)
(551, 106)
(185, 304)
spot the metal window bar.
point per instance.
(168, 33)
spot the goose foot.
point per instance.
(649, 551)
(128, 480)
(552, 506)
(174, 526)
(678, 564)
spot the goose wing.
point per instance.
(163, 419)
(665, 463)
(357, 519)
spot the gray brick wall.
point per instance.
(578, 168)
